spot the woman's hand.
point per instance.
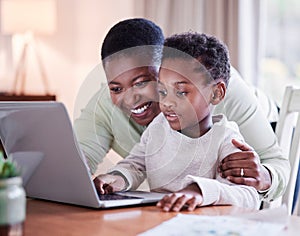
(189, 197)
(109, 183)
(245, 168)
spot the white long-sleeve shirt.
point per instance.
(171, 161)
(102, 126)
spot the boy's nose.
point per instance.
(168, 102)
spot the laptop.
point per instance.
(40, 138)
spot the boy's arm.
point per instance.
(189, 197)
(109, 183)
(202, 191)
(222, 192)
(133, 167)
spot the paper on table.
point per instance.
(277, 215)
(260, 223)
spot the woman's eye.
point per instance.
(116, 89)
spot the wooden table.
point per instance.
(48, 218)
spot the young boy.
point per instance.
(182, 147)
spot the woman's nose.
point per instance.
(131, 97)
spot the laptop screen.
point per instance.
(39, 136)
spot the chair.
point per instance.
(297, 205)
(288, 134)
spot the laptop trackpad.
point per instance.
(148, 196)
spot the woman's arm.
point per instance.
(102, 126)
(240, 105)
(92, 132)
(245, 168)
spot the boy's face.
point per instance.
(185, 94)
(133, 87)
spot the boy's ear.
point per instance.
(218, 93)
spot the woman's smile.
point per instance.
(145, 113)
(141, 109)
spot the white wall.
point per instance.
(96, 18)
(82, 27)
(74, 50)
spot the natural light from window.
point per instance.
(281, 60)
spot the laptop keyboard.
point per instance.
(108, 197)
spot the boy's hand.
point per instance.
(109, 183)
(190, 196)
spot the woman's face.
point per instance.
(133, 88)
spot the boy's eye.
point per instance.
(141, 84)
(162, 92)
(115, 89)
(181, 93)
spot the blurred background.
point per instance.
(53, 46)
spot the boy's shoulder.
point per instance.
(220, 120)
(159, 123)
(160, 118)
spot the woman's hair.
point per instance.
(132, 33)
(208, 50)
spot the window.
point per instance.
(281, 57)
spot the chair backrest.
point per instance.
(288, 134)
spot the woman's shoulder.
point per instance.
(247, 97)
(239, 102)
(238, 89)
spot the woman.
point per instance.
(116, 117)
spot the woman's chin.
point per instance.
(145, 118)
